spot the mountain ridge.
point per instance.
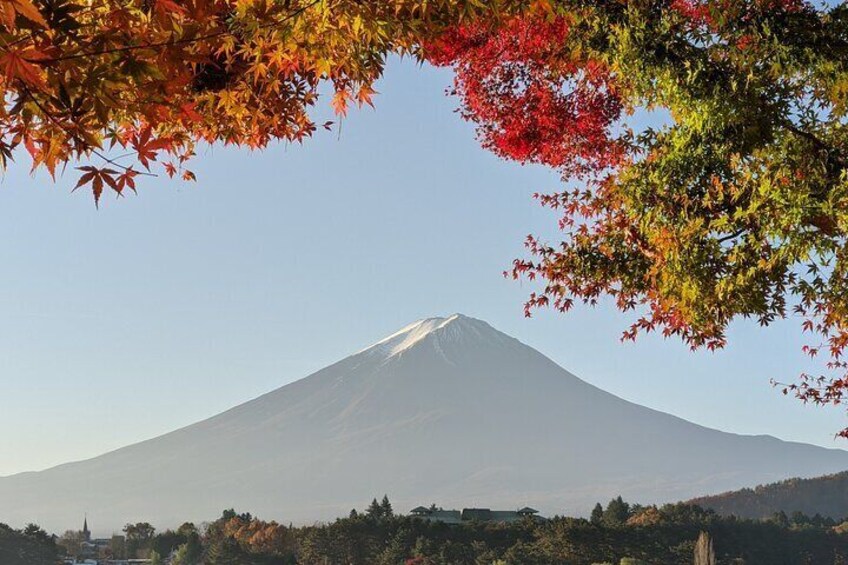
(446, 410)
(826, 496)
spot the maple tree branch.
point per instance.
(120, 166)
(830, 150)
(825, 224)
(30, 35)
(79, 140)
(730, 236)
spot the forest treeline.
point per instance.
(616, 533)
(826, 496)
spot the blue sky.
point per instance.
(162, 309)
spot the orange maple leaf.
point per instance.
(28, 10)
(9, 9)
(17, 65)
(339, 102)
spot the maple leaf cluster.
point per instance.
(254, 535)
(134, 85)
(714, 14)
(532, 102)
(735, 207)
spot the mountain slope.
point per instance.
(826, 496)
(447, 410)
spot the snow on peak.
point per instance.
(452, 327)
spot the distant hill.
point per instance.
(827, 496)
(447, 410)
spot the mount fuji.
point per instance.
(447, 410)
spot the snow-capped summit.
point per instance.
(446, 410)
(457, 328)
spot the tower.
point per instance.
(85, 533)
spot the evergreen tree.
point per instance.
(179, 557)
(397, 549)
(781, 519)
(597, 514)
(189, 553)
(227, 552)
(194, 553)
(30, 546)
(798, 518)
(617, 512)
(386, 507)
(374, 510)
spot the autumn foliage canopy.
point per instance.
(134, 85)
(734, 205)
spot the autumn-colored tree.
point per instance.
(131, 83)
(736, 206)
(71, 542)
(647, 517)
(251, 534)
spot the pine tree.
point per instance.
(374, 510)
(781, 519)
(397, 549)
(597, 514)
(799, 518)
(617, 512)
(179, 557)
(386, 507)
(193, 549)
(227, 552)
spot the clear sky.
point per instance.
(159, 310)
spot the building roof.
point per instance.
(480, 514)
(474, 515)
(445, 516)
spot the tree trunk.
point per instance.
(704, 552)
